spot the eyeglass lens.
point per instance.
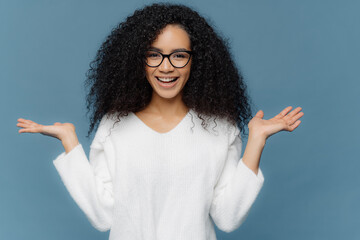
(177, 59)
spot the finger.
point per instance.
(283, 112)
(299, 115)
(295, 118)
(23, 130)
(27, 125)
(294, 112)
(295, 125)
(29, 130)
(25, 120)
(22, 120)
(22, 125)
(259, 114)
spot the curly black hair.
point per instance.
(117, 79)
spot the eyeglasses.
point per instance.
(177, 59)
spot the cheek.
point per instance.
(188, 67)
(148, 71)
(186, 72)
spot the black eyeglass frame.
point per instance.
(168, 57)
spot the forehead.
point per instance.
(172, 37)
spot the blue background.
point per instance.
(291, 53)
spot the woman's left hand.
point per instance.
(283, 121)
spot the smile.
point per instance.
(167, 80)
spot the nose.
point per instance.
(166, 66)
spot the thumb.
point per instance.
(260, 114)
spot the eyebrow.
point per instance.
(173, 50)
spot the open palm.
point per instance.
(284, 121)
(58, 130)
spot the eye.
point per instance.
(179, 55)
(153, 55)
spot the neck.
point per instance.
(167, 107)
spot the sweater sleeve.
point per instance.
(89, 182)
(236, 189)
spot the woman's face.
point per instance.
(172, 38)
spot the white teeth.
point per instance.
(166, 79)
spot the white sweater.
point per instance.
(145, 185)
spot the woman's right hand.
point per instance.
(65, 132)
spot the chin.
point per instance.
(167, 95)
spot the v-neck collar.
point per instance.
(165, 133)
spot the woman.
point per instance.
(156, 170)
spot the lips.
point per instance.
(167, 79)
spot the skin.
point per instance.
(167, 109)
